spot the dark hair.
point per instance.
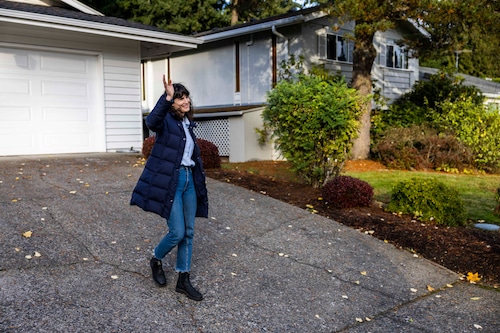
(179, 92)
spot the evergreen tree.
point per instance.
(182, 16)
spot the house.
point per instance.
(230, 74)
(70, 78)
(489, 89)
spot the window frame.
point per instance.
(337, 40)
(394, 56)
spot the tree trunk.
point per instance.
(363, 58)
(234, 13)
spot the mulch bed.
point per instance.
(460, 249)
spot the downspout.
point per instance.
(273, 29)
(275, 60)
(249, 43)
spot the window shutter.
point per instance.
(383, 50)
(322, 44)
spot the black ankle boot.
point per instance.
(158, 273)
(184, 286)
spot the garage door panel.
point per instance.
(64, 88)
(11, 114)
(14, 59)
(14, 86)
(66, 115)
(58, 142)
(64, 64)
(24, 142)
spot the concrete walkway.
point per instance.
(262, 265)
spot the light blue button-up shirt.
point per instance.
(188, 149)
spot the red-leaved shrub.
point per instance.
(209, 154)
(147, 146)
(347, 192)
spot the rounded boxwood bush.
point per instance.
(347, 192)
(428, 200)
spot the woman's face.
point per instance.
(183, 104)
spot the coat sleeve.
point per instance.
(154, 120)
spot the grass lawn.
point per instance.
(477, 191)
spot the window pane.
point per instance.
(331, 47)
(341, 49)
(398, 57)
(389, 56)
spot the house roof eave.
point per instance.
(97, 28)
(289, 18)
(245, 30)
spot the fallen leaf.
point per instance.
(449, 285)
(37, 254)
(363, 273)
(345, 296)
(114, 277)
(359, 320)
(17, 249)
(430, 288)
(413, 290)
(475, 298)
(28, 256)
(479, 327)
(72, 192)
(473, 277)
(28, 234)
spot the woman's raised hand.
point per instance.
(169, 88)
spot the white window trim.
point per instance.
(383, 56)
(323, 47)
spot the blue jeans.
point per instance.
(180, 223)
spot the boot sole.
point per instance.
(159, 284)
(182, 291)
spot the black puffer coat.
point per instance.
(156, 187)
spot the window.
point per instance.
(395, 57)
(335, 47)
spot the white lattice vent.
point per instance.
(215, 131)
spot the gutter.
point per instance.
(251, 29)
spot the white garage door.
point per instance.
(49, 103)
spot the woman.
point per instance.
(172, 184)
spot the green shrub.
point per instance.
(421, 147)
(147, 146)
(476, 127)
(209, 154)
(313, 122)
(347, 192)
(428, 200)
